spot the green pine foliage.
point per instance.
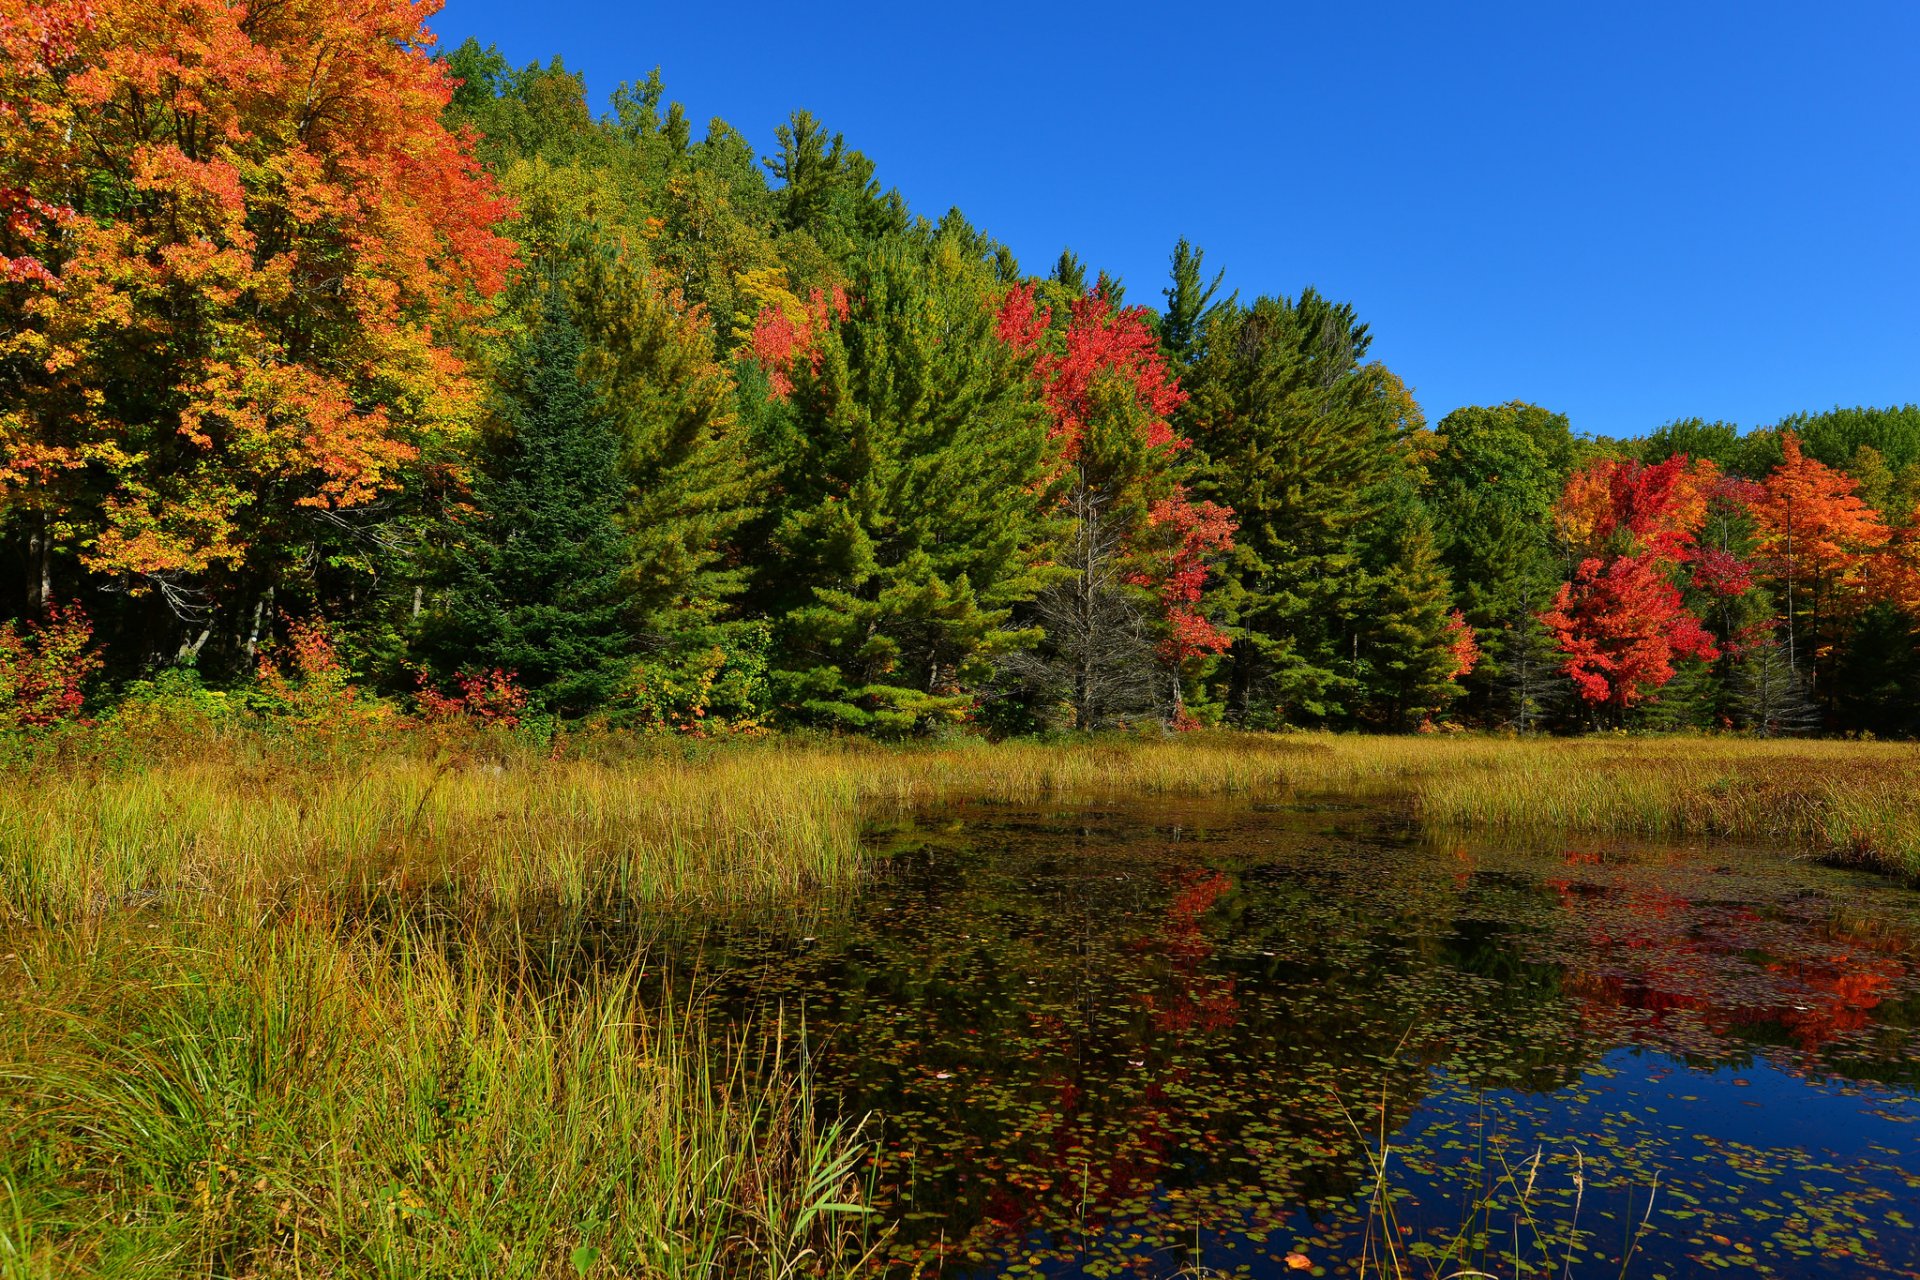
(1303, 439)
(536, 584)
(1493, 475)
(907, 512)
(1406, 646)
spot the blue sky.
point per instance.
(1629, 212)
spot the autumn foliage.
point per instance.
(44, 666)
(233, 237)
(1621, 622)
(1106, 351)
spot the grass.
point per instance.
(231, 832)
(212, 1063)
(295, 1102)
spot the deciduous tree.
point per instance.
(233, 237)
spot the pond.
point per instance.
(1180, 1037)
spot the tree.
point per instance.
(1110, 392)
(538, 586)
(1621, 622)
(1493, 474)
(1817, 538)
(828, 192)
(689, 482)
(1772, 696)
(1835, 436)
(1304, 443)
(1531, 682)
(234, 236)
(908, 506)
(1417, 646)
(1096, 660)
(1620, 626)
(1190, 305)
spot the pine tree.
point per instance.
(907, 511)
(1532, 686)
(1096, 665)
(687, 478)
(1190, 304)
(1408, 649)
(1773, 696)
(537, 585)
(1305, 443)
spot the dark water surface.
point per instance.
(1131, 1041)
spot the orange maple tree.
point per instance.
(231, 239)
(1820, 539)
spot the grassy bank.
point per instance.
(212, 1062)
(234, 830)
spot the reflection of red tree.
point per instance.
(1122, 1160)
(1197, 999)
(1656, 954)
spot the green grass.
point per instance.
(297, 1102)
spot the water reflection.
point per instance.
(1108, 1041)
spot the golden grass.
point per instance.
(297, 1101)
(232, 832)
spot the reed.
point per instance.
(225, 1102)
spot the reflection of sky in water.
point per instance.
(1735, 1151)
(1105, 1044)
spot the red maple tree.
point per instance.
(1100, 347)
(1621, 625)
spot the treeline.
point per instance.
(389, 383)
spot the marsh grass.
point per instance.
(294, 1102)
(262, 1012)
(237, 831)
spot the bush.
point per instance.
(44, 668)
(304, 683)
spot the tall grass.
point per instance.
(294, 1102)
(234, 832)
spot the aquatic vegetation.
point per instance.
(385, 1004)
(1106, 1039)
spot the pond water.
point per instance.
(1113, 1041)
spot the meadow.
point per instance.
(264, 1009)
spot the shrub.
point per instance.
(489, 698)
(304, 682)
(44, 668)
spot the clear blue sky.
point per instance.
(1629, 212)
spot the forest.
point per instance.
(408, 386)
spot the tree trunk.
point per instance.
(40, 566)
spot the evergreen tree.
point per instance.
(1773, 695)
(905, 515)
(1096, 665)
(1493, 476)
(537, 584)
(1408, 644)
(688, 482)
(1533, 689)
(1305, 443)
(1190, 304)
